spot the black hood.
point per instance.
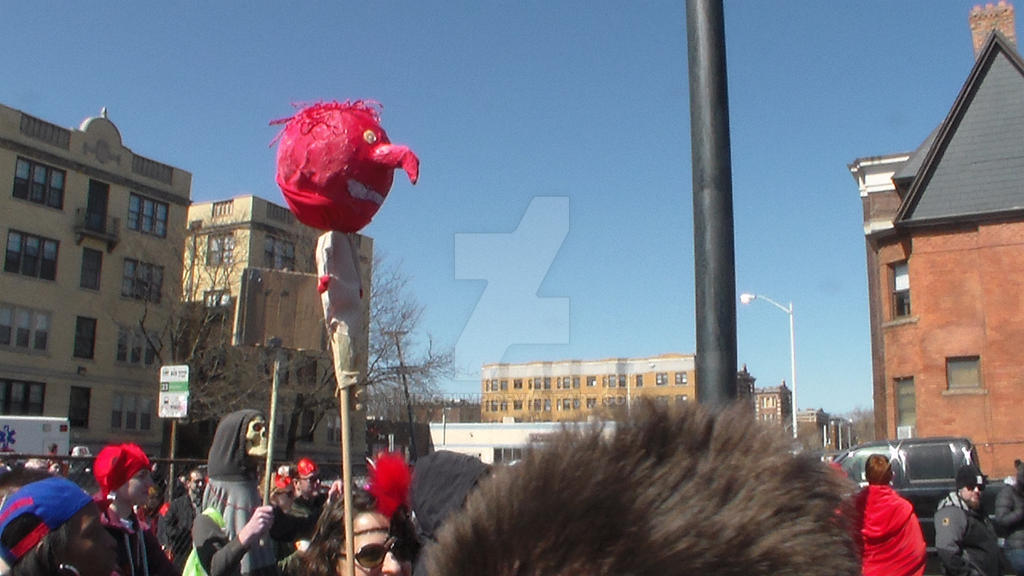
(228, 460)
(440, 484)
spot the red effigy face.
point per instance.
(335, 165)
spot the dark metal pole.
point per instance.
(714, 258)
(408, 402)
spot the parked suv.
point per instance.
(924, 472)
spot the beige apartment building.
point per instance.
(92, 235)
(253, 258)
(581, 389)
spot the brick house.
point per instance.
(944, 227)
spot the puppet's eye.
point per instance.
(370, 137)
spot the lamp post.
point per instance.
(747, 298)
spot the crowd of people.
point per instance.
(681, 490)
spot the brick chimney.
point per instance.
(984, 20)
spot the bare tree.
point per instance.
(399, 354)
(863, 420)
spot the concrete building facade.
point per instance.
(572, 390)
(254, 259)
(944, 228)
(579, 389)
(92, 234)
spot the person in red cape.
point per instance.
(888, 532)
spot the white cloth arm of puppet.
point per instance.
(340, 286)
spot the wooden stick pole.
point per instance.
(341, 348)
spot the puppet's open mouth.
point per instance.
(357, 190)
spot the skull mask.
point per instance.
(256, 437)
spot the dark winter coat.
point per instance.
(966, 542)
(1010, 512)
(138, 551)
(176, 529)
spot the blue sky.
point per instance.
(554, 146)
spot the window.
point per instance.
(591, 403)
(680, 378)
(85, 337)
(31, 255)
(575, 381)
(547, 405)
(504, 384)
(334, 428)
(278, 254)
(216, 298)
(20, 397)
(930, 462)
(517, 404)
(906, 409)
(639, 381)
(661, 379)
(222, 208)
(147, 216)
(131, 412)
(681, 398)
(134, 348)
(963, 372)
(220, 249)
(591, 381)
(39, 183)
(142, 281)
(547, 383)
(92, 262)
(78, 407)
(900, 289)
(24, 329)
(517, 384)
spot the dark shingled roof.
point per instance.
(975, 166)
(909, 168)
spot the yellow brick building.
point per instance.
(247, 236)
(581, 389)
(92, 235)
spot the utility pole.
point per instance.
(397, 335)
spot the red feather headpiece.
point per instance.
(390, 478)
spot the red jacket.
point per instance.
(888, 534)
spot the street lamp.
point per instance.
(747, 298)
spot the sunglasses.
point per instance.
(372, 555)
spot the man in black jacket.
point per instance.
(965, 540)
(176, 525)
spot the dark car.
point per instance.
(924, 472)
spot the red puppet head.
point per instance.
(335, 164)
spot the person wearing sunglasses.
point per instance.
(381, 549)
(384, 535)
(964, 537)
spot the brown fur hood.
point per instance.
(672, 491)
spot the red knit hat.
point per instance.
(116, 464)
